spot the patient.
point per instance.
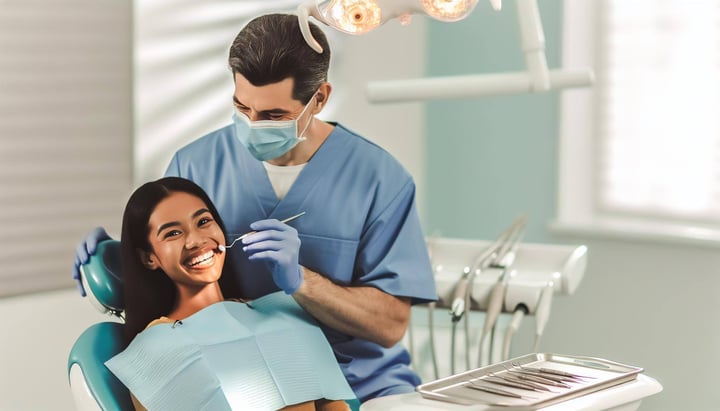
(183, 333)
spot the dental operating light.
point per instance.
(362, 16)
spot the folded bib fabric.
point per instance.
(232, 356)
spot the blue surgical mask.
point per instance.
(268, 139)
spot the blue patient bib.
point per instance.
(231, 356)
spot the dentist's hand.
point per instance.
(278, 245)
(84, 250)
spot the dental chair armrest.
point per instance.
(91, 382)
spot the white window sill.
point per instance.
(641, 232)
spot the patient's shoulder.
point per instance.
(161, 320)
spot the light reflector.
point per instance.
(448, 10)
(353, 16)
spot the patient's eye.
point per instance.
(172, 233)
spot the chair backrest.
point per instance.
(94, 387)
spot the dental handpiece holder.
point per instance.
(536, 267)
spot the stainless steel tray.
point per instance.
(458, 388)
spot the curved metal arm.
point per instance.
(306, 9)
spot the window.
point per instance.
(641, 150)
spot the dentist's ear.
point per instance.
(148, 259)
(322, 96)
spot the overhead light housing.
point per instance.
(362, 16)
(448, 10)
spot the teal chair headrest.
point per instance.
(102, 279)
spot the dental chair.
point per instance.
(93, 386)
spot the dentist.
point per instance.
(363, 260)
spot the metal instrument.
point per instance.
(287, 220)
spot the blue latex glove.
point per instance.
(84, 250)
(277, 244)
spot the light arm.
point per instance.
(536, 78)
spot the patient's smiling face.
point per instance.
(184, 237)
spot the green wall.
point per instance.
(491, 159)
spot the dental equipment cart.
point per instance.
(499, 279)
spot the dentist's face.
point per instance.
(184, 238)
(269, 102)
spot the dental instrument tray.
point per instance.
(530, 382)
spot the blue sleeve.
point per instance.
(173, 169)
(393, 254)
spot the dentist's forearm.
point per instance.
(364, 312)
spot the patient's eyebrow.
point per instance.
(166, 226)
(176, 223)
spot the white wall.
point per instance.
(649, 304)
(38, 331)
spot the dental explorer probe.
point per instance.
(287, 220)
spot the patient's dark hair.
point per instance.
(271, 48)
(150, 294)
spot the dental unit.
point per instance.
(501, 279)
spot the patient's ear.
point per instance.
(148, 259)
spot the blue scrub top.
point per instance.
(361, 228)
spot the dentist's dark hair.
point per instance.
(271, 48)
(149, 294)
